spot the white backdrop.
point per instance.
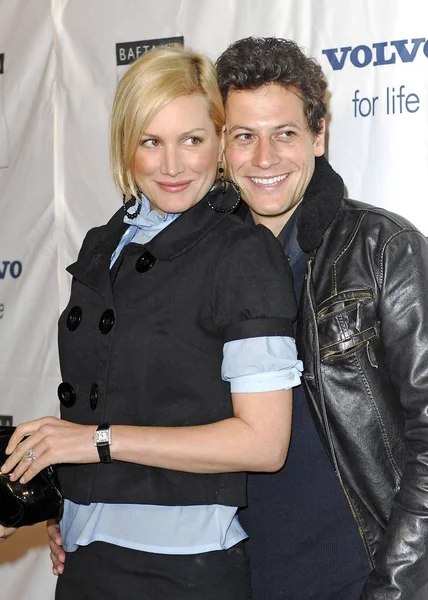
(58, 70)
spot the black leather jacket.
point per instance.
(363, 338)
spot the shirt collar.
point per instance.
(149, 218)
(288, 237)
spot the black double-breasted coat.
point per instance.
(142, 343)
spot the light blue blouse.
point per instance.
(250, 365)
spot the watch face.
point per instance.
(103, 436)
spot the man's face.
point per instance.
(270, 151)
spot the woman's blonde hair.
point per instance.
(159, 76)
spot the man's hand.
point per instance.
(55, 545)
(6, 532)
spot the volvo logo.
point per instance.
(378, 54)
(10, 268)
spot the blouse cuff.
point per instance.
(261, 364)
(266, 382)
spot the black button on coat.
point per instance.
(66, 394)
(107, 321)
(74, 317)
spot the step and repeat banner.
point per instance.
(60, 61)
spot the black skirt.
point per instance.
(103, 571)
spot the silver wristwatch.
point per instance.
(102, 440)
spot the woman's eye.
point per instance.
(193, 140)
(149, 143)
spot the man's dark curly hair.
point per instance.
(252, 62)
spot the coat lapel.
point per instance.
(92, 268)
(193, 225)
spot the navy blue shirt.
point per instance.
(304, 543)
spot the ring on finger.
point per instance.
(30, 455)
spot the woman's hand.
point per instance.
(55, 546)
(6, 532)
(48, 441)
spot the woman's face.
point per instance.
(176, 161)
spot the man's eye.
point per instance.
(287, 134)
(193, 140)
(244, 137)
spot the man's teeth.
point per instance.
(268, 180)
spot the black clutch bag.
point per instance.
(27, 503)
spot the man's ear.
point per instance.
(319, 140)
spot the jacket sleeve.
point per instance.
(252, 292)
(401, 571)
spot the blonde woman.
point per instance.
(176, 354)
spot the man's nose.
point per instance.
(265, 154)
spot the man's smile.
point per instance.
(268, 180)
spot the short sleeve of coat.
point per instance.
(253, 292)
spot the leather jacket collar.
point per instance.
(319, 205)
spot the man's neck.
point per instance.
(275, 223)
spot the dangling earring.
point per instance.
(223, 181)
(135, 214)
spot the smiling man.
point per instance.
(271, 150)
(347, 517)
